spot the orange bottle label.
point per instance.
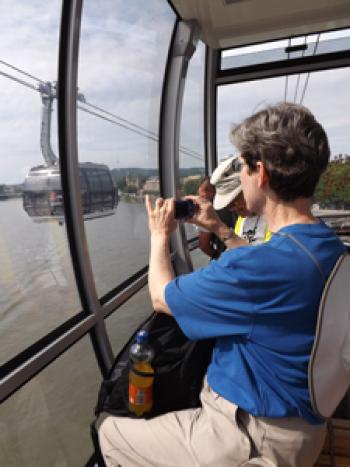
(140, 396)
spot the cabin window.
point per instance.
(45, 421)
(286, 49)
(122, 325)
(326, 94)
(38, 291)
(121, 67)
(191, 154)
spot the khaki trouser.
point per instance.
(218, 434)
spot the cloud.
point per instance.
(121, 65)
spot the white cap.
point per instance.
(227, 183)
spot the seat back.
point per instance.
(329, 367)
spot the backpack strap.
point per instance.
(308, 252)
(98, 457)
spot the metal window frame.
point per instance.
(183, 45)
(38, 362)
(34, 359)
(68, 149)
(292, 66)
(26, 365)
(212, 61)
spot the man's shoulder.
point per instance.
(247, 255)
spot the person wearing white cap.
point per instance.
(229, 194)
(259, 303)
(208, 242)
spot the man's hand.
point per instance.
(161, 220)
(161, 225)
(205, 215)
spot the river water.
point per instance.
(46, 422)
(37, 285)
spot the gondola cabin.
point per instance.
(43, 199)
(147, 92)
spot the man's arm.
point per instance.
(160, 272)
(161, 224)
(227, 235)
(207, 217)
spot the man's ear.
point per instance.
(263, 177)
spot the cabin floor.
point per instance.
(341, 445)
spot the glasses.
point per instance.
(236, 165)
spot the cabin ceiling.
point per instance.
(229, 23)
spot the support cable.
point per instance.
(119, 121)
(21, 71)
(24, 83)
(286, 82)
(298, 79)
(184, 149)
(308, 75)
(153, 138)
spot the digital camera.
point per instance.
(184, 209)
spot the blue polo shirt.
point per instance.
(261, 304)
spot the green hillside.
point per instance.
(333, 190)
(133, 172)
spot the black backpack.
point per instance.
(179, 365)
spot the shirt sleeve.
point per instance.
(216, 300)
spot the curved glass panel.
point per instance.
(37, 285)
(123, 323)
(46, 423)
(122, 58)
(191, 156)
(326, 94)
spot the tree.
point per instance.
(122, 183)
(333, 190)
(190, 187)
(130, 189)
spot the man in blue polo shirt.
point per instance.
(261, 304)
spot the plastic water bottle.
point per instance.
(141, 375)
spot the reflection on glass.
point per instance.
(121, 68)
(36, 278)
(46, 423)
(123, 323)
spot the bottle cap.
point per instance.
(142, 336)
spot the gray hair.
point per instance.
(290, 142)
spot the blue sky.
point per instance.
(121, 64)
